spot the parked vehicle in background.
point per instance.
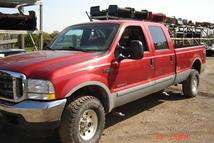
(8, 52)
(210, 50)
(89, 70)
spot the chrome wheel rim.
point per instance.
(88, 124)
(195, 85)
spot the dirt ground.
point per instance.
(168, 118)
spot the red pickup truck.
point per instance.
(90, 69)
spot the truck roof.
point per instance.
(123, 22)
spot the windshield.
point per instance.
(89, 37)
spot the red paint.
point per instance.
(69, 69)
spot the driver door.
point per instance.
(131, 79)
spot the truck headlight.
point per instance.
(40, 89)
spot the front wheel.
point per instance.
(82, 121)
(191, 85)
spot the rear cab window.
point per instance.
(158, 38)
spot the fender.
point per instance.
(93, 80)
(180, 77)
(197, 58)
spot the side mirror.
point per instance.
(134, 51)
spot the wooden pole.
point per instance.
(41, 26)
(21, 38)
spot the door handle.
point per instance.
(152, 63)
(171, 59)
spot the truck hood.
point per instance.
(43, 63)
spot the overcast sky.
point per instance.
(61, 13)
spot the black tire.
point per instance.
(73, 116)
(1, 128)
(159, 92)
(191, 85)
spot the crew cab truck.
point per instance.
(90, 69)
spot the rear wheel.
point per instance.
(83, 121)
(191, 85)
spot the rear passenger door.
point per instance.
(164, 58)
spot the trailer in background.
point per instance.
(13, 27)
(183, 32)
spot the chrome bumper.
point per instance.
(35, 111)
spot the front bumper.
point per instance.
(35, 111)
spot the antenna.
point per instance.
(91, 20)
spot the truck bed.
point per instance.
(185, 57)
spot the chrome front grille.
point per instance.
(6, 86)
(12, 86)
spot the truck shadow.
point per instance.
(144, 104)
(10, 134)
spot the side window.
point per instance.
(158, 38)
(133, 33)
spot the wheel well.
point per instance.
(197, 65)
(92, 90)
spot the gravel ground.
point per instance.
(170, 118)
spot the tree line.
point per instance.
(47, 37)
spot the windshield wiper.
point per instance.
(80, 49)
(94, 50)
(71, 49)
(47, 48)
